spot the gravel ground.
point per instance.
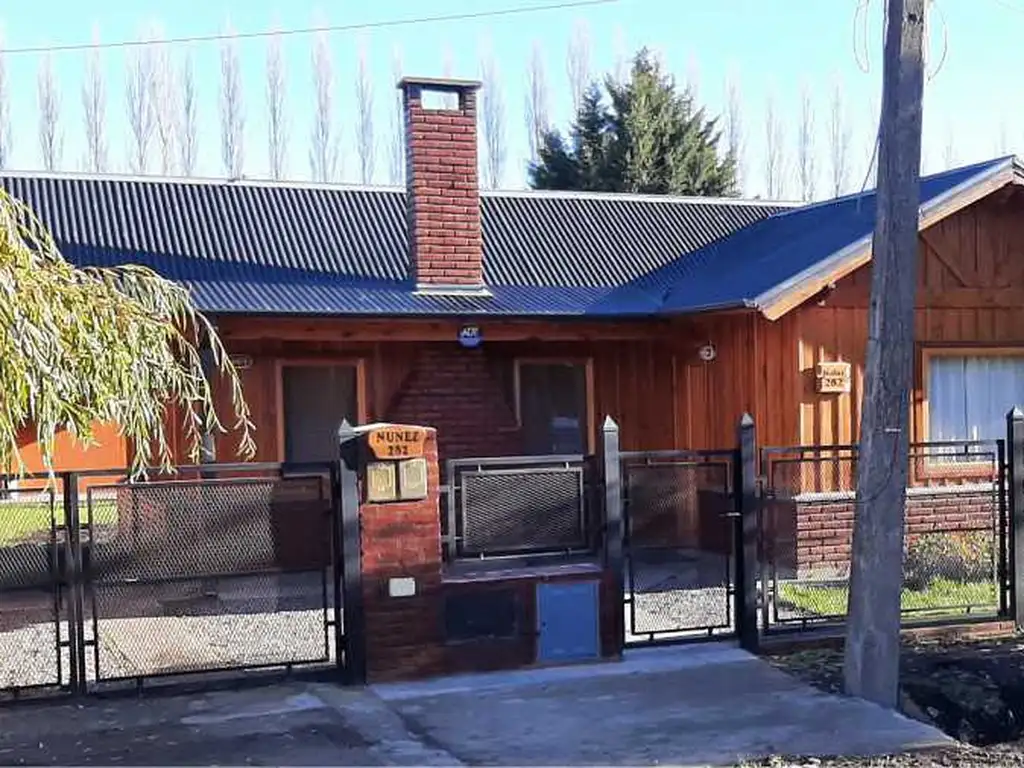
(143, 631)
(972, 689)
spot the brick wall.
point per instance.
(406, 636)
(452, 389)
(443, 190)
(816, 531)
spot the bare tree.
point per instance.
(139, 97)
(839, 142)
(734, 129)
(692, 77)
(774, 151)
(164, 88)
(364, 108)
(232, 111)
(805, 147)
(5, 114)
(94, 110)
(185, 125)
(577, 63)
(397, 164)
(536, 100)
(1002, 146)
(621, 68)
(277, 130)
(492, 114)
(949, 154)
(51, 137)
(323, 150)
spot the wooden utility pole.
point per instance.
(872, 654)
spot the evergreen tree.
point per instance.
(650, 138)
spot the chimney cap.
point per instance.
(448, 84)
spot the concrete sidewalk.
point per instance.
(710, 705)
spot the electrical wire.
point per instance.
(861, 14)
(413, 21)
(945, 39)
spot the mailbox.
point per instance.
(396, 469)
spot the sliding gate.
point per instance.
(680, 531)
(221, 569)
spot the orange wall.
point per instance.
(108, 452)
(970, 293)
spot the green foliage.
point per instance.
(81, 346)
(649, 138)
(961, 557)
(940, 597)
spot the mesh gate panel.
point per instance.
(522, 510)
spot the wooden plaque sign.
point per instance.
(397, 442)
(833, 378)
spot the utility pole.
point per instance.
(872, 651)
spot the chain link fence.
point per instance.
(955, 544)
(218, 568)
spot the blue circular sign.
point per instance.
(470, 336)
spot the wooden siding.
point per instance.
(649, 380)
(970, 294)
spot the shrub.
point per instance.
(967, 556)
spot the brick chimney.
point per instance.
(443, 192)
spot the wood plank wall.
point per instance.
(970, 294)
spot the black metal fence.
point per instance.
(955, 537)
(515, 506)
(218, 568)
(680, 519)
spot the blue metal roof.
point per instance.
(254, 248)
(258, 247)
(767, 258)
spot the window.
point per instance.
(553, 406)
(315, 400)
(969, 395)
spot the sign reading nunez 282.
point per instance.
(397, 442)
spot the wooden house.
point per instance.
(514, 322)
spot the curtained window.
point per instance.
(969, 396)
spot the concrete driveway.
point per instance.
(710, 705)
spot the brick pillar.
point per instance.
(401, 553)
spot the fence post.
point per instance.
(1015, 526)
(745, 532)
(350, 574)
(73, 575)
(614, 524)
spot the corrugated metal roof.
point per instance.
(566, 240)
(744, 269)
(247, 247)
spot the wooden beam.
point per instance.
(397, 329)
(971, 298)
(929, 243)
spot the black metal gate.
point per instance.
(681, 521)
(223, 568)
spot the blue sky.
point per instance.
(773, 48)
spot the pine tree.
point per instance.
(650, 138)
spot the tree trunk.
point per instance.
(873, 621)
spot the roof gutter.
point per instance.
(780, 299)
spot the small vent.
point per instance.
(487, 614)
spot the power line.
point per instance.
(413, 21)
